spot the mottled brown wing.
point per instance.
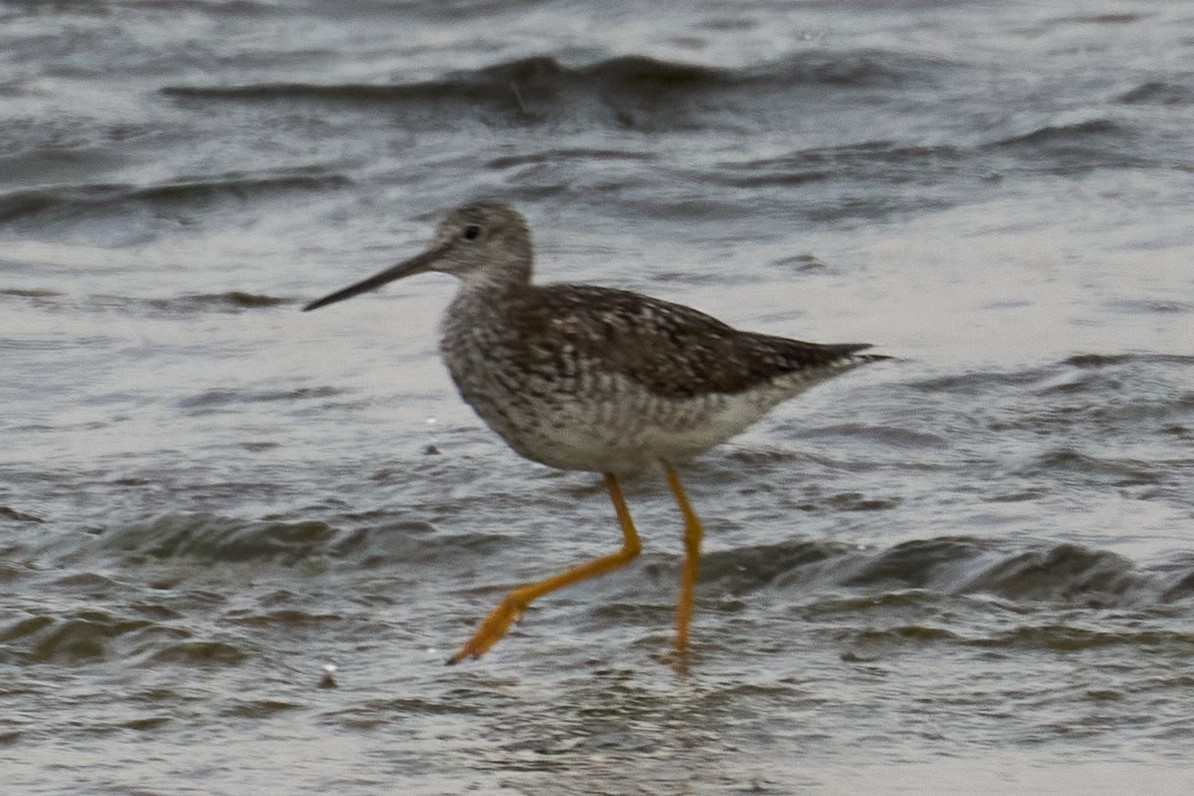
(671, 350)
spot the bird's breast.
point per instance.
(559, 407)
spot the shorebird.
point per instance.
(590, 378)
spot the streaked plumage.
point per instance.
(590, 378)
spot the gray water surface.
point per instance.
(969, 570)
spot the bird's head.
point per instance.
(484, 244)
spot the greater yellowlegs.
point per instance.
(590, 378)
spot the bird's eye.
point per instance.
(471, 232)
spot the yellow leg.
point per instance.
(692, 557)
(511, 608)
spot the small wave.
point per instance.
(978, 383)
(259, 708)
(874, 160)
(1165, 306)
(1111, 18)
(916, 564)
(34, 293)
(559, 155)
(215, 538)
(747, 569)
(1181, 589)
(1082, 425)
(1076, 148)
(212, 399)
(1064, 573)
(1074, 393)
(228, 301)
(1094, 470)
(72, 201)
(510, 83)
(212, 537)
(875, 179)
(1105, 360)
(631, 91)
(77, 638)
(285, 617)
(193, 652)
(1158, 93)
(1060, 636)
(1065, 133)
(238, 186)
(1067, 638)
(1134, 396)
(405, 542)
(9, 513)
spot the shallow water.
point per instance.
(969, 570)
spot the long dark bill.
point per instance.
(415, 265)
